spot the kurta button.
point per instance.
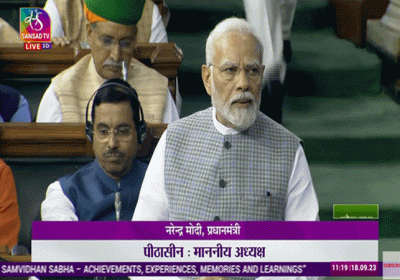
(227, 145)
(216, 218)
(222, 183)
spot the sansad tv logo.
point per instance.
(35, 29)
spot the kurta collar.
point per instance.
(92, 68)
(224, 130)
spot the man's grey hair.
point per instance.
(230, 24)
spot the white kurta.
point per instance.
(272, 21)
(50, 108)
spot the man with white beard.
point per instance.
(229, 162)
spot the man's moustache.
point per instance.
(114, 154)
(243, 96)
(112, 63)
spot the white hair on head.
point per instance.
(230, 24)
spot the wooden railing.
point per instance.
(17, 62)
(58, 140)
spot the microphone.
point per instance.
(118, 206)
(124, 71)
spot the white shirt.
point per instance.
(301, 204)
(57, 206)
(50, 108)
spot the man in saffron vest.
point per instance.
(229, 162)
(68, 22)
(111, 34)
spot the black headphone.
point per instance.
(138, 117)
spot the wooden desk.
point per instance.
(351, 18)
(17, 63)
(11, 258)
(59, 140)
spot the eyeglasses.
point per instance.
(108, 42)
(121, 133)
(231, 71)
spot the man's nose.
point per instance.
(116, 52)
(242, 80)
(112, 140)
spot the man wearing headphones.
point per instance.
(107, 188)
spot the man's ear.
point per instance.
(136, 31)
(206, 76)
(89, 30)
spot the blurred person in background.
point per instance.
(272, 22)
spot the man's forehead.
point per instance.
(231, 47)
(112, 29)
(120, 112)
(224, 61)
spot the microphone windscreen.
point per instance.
(118, 205)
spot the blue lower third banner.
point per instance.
(339, 248)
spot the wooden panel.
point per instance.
(348, 19)
(10, 258)
(165, 58)
(21, 3)
(374, 9)
(25, 258)
(16, 62)
(58, 140)
(352, 15)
